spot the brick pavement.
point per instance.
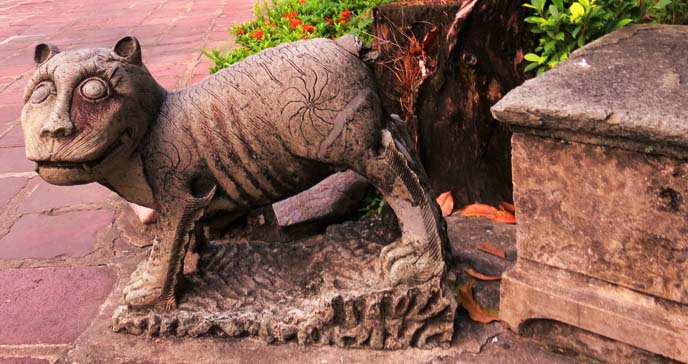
(58, 244)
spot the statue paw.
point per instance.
(145, 287)
(403, 262)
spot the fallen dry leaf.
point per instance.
(482, 210)
(475, 311)
(478, 209)
(471, 272)
(509, 207)
(446, 202)
(491, 249)
(504, 217)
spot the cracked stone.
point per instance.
(47, 197)
(9, 187)
(44, 236)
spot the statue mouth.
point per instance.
(114, 148)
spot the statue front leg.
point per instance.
(155, 280)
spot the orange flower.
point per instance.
(295, 23)
(291, 15)
(345, 16)
(258, 34)
(269, 23)
(308, 28)
(240, 31)
(329, 21)
(301, 2)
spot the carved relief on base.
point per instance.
(321, 290)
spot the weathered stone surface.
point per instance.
(47, 197)
(51, 305)
(616, 215)
(336, 196)
(602, 217)
(627, 86)
(42, 236)
(9, 187)
(536, 291)
(322, 290)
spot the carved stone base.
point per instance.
(322, 290)
(536, 291)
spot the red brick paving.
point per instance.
(70, 234)
(51, 305)
(54, 305)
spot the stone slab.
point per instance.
(9, 187)
(13, 160)
(613, 214)
(42, 236)
(50, 305)
(47, 197)
(536, 291)
(629, 85)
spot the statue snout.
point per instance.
(57, 126)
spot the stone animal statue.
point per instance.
(252, 134)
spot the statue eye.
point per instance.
(42, 91)
(94, 89)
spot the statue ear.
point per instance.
(129, 49)
(44, 52)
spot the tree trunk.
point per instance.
(441, 67)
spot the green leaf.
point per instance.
(532, 57)
(538, 4)
(622, 23)
(531, 66)
(559, 4)
(575, 31)
(554, 12)
(535, 20)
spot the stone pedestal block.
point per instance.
(600, 167)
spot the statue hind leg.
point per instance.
(419, 255)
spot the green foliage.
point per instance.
(282, 21)
(564, 25)
(372, 204)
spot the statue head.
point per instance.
(85, 111)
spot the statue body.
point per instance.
(250, 135)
